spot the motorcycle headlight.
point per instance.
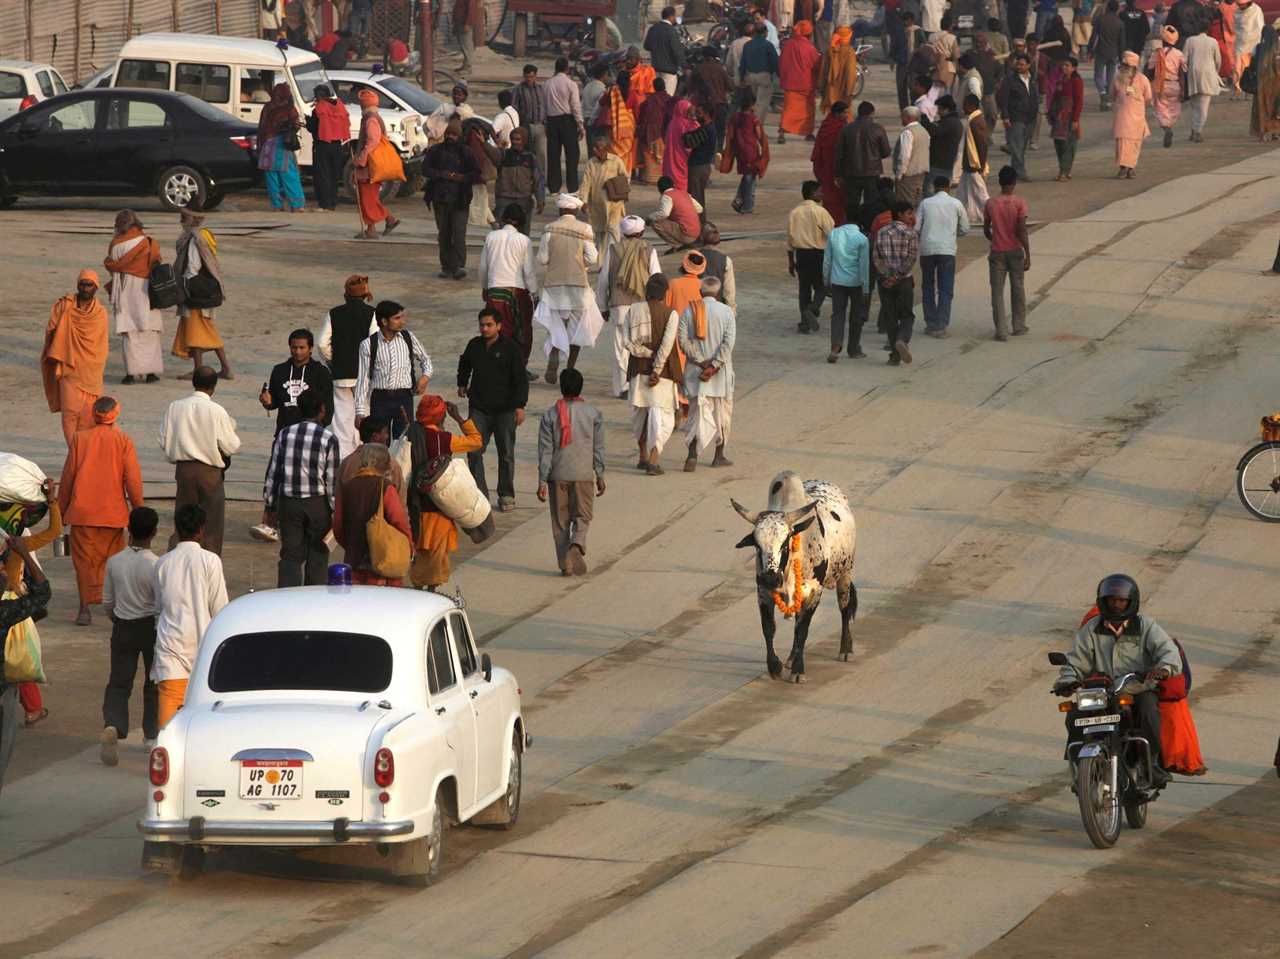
(1091, 700)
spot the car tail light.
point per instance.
(245, 143)
(159, 766)
(27, 103)
(384, 767)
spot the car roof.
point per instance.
(394, 614)
(204, 48)
(25, 65)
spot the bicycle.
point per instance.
(1258, 474)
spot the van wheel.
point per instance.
(182, 188)
(417, 862)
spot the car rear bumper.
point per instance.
(198, 829)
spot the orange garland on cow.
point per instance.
(790, 609)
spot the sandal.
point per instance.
(33, 718)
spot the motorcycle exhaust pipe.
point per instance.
(1115, 774)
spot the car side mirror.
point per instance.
(1058, 659)
(486, 664)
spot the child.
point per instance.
(570, 456)
(128, 593)
(745, 141)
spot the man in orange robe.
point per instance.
(101, 483)
(798, 71)
(75, 355)
(640, 77)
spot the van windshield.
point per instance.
(308, 76)
(310, 659)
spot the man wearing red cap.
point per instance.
(75, 355)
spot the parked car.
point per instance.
(233, 75)
(24, 84)
(333, 715)
(100, 79)
(110, 142)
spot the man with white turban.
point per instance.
(707, 334)
(627, 265)
(568, 307)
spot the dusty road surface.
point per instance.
(911, 802)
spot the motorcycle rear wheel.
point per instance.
(1099, 812)
(1135, 814)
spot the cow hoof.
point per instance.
(775, 667)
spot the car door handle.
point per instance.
(440, 710)
(475, 693)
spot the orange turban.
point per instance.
(357, 285)
(694, 263)
(108, 417)
(841, 37)
(90, 275)
(431, 410)
(802, 28)
(367, 98)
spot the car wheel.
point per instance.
(417, 862)
(507, 809)
(346, 188)
(181, 187)
(190, 863)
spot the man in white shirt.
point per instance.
(910, 158)
(940, 220)
(506, 120)
(190, 590)
(128, 593)
(199, 437)
(509, 279)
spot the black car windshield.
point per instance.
(308, 76)
(320, 660)
(412, 94)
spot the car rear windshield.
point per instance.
(12, 86)
(343, 662)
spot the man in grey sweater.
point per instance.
(571, 470)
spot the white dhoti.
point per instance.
(479, 213)
(652, 425)
(709, 420)
(972, 192)
(143, 352)
(344, 419)
(570, 316)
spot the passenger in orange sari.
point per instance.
(798, 70)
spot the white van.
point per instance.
(233, 74)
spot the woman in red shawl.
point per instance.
(745, 142)
(651, 130)
(798, 71)
(824, 161)
(675, 161)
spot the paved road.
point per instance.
(910, 802)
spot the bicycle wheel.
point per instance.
(860, 82)
(1258, 481)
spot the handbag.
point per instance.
(385, 163)
(389, 550)
(22, 660)
(162, 287)
(1249, 78)
(291, 142)
(617, 188)
(202, 291)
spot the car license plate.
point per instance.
(271, 779)
(1090, 720)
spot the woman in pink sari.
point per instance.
(1131, 93)
(675, 160)
(1169, 66)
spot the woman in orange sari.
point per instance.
(622, 129)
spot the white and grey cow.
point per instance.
(819, 512)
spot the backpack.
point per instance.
(373, 355)
(162, 287)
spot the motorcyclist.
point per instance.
(1120, 640)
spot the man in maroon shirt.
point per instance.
(1004, 223)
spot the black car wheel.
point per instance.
(7, 200)
(212, 200)
(182, 188)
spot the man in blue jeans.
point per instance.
(940, 220)
(491, 375)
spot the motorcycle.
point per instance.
(1112, 763)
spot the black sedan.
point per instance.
(123, 142)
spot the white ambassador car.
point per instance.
(330, 715)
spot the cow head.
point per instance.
(772, 539)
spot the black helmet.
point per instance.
(1121, 586)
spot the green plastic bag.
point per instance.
(22, 663)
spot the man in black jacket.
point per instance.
(1136, 27)
(945, 139)
(666, 52)
(491, 375)
(450, 170)
(344, 327)
(860, 153)
(1019, 105)
(297, 375)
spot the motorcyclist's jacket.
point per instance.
(1141, 647)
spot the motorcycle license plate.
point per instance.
(1098, 720)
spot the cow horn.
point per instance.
(794, 516)
(744, 512)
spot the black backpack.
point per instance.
(162, 287)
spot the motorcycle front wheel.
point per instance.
(1099, 809)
